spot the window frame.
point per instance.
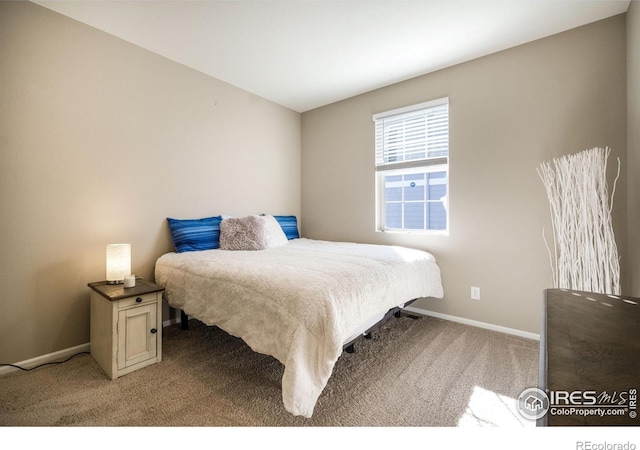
(424, 165)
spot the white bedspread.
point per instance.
(297, 303)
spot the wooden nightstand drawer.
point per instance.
(137, 300)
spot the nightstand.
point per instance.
(126, 326)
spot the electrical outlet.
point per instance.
(475, 293)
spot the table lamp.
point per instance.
(118, 262)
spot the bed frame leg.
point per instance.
(350, 349)
(184, 321)
(368, 336)
(398, 311)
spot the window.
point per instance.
(412, 167)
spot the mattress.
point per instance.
(299, 302)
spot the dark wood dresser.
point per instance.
(590, 359)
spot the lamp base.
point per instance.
(116, 282)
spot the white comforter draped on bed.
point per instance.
(299, 302)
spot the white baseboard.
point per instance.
(474, 323)
(63, 354)
(44, 359)
(166, 323)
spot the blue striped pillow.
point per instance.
(289, 225)
(191, 235)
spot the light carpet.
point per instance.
(414, 372)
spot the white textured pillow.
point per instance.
(251, 233)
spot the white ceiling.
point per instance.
(308, 53)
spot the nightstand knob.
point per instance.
(154, 331)
(139, 299)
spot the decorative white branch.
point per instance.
(585, 256)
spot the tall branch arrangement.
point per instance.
(584, 256)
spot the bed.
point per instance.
(300, 301)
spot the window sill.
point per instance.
(417, 232)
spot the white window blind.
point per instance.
(412, 168)
(413, 136)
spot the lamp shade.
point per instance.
(118, 262)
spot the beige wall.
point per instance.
(633, 142)
(100, 141)
(509, 112)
